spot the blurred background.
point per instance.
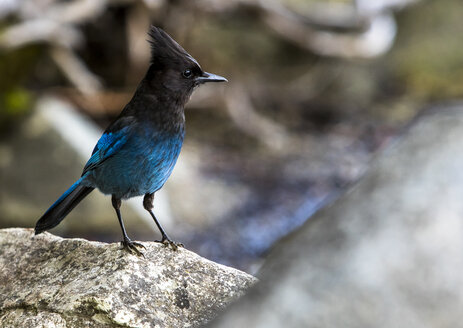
(315, 89)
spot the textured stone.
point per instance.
(47, 281)
(388, 253)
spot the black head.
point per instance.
(172, 69)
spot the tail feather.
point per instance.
(65, 204)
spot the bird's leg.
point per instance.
(148, 205)
(127, 243)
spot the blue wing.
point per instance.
(109, 144)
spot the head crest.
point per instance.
(165, 49)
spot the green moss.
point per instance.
(428, 56)
(16, 102)
(14, 105)
(16, 67)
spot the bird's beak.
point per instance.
(209, 77)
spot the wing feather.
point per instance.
(108, 145)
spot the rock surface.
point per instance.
(389, 253)
(47, 281)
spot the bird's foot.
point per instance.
(167, 242)
(131, 247)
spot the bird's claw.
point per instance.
(131, 247)
(167, 242)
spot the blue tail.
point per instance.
(58, 211)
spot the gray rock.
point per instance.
(47, 281)
(389, 253)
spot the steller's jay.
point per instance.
(137, 152)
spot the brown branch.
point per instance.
(243, 113)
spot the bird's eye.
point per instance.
(187, 73)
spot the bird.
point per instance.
(137, 152)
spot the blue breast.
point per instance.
(142, 164)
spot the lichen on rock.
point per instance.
(53, 282)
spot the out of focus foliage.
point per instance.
(16, 68)
(316, 87)
(428, 56)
